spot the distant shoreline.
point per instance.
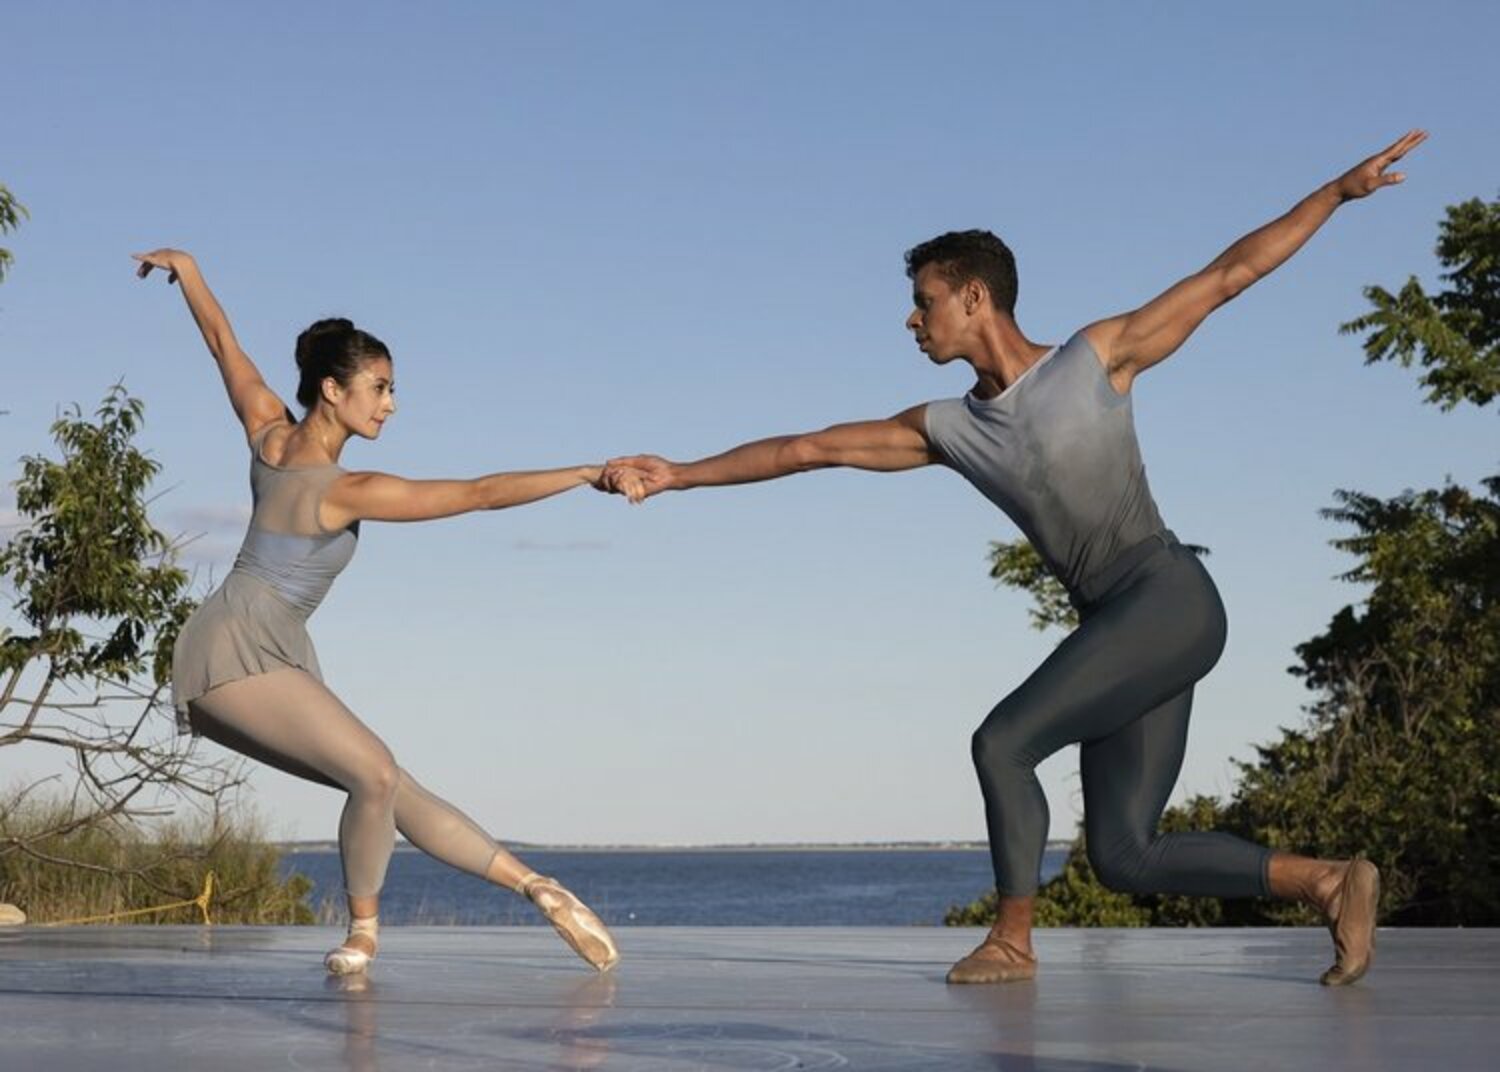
(293, 847)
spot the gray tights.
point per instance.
(291, 721)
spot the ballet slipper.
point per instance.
(346, 959)
(994, 961)
(575, 921)
(1351, 921)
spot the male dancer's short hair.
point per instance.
(964, 255)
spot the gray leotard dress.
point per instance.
(1057, 452)
(256, 621)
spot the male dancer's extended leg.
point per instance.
(1132, 655)
(1127, 779)
(1122, 684)
(1159, 631)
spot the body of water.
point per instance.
(690, 887)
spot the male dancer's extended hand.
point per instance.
(1366, 177)
(625, 476)
(638, 477)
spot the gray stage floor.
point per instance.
(228, 998)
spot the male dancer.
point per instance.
(1047, 434)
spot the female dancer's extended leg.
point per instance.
(291, 721)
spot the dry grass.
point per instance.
(118, 868)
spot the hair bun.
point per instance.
(332, 347)
(318, 332)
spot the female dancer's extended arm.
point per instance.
(254, 403)
(1132, 343)
(882, 446)
(382, 497)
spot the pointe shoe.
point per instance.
(346, 959)
(571, 918)
(995, 961)
(1352, 924)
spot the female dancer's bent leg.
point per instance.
(291, 721)
(1121, 684)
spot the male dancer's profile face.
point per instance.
(939, 318)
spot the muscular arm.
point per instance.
(255, 404)
(1132, 343)
(891, 445)
(382, 497)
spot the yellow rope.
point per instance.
(201, 901)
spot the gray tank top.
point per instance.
(286, 547)
(1056, 450)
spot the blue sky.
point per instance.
(590, 229)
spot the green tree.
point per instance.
(1400, 758)
(99, 599)
(1455, 334)
(11, 214)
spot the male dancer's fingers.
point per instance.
(1401, 146)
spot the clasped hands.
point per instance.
(637, 477)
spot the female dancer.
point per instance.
(1047, 435)
(244, 672)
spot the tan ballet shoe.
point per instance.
(1352, 924)
(348, 960)
(571, 918)
(995, 961)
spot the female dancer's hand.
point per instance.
(1367, 176)
(171, 261)
(622, 480)
(652, 474)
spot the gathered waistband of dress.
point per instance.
(1098, 584)
(240, 573)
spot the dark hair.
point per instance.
(964, 255)
(332, 347)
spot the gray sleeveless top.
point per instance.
(1056, 450)
(255, 622)
(286, 546)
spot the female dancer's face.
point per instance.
(369, 399)
(939, 320)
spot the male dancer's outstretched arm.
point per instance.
(886, 446)
(1131, 343)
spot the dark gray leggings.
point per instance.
(1121, 684)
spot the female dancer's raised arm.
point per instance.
(254, 403)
